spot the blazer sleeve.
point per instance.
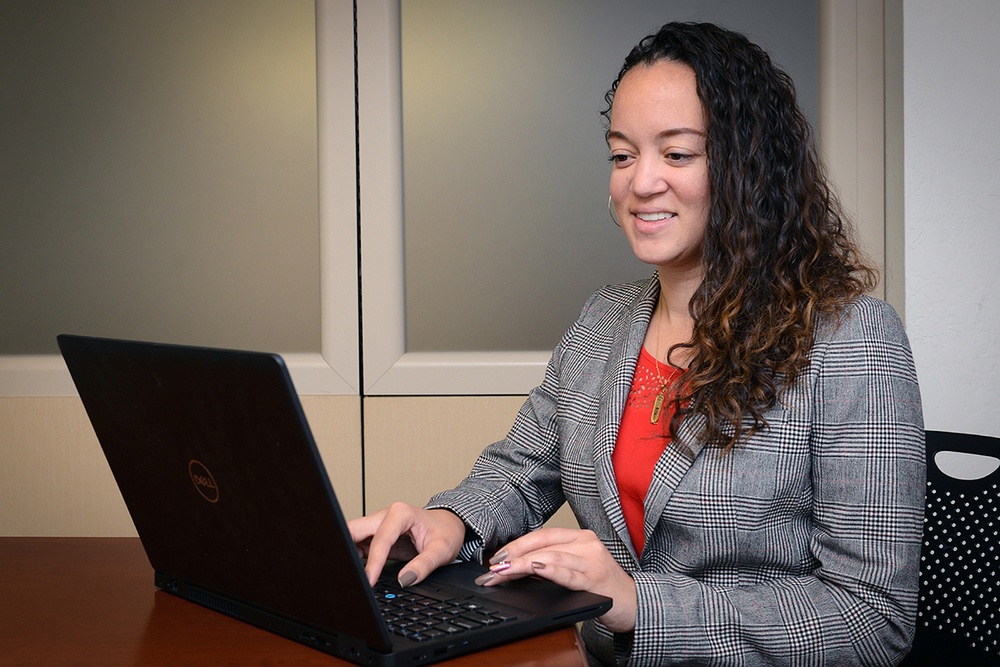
(856, 604)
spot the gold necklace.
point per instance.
(661, 395)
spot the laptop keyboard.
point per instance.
(422, 618)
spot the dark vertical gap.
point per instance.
(361, 338)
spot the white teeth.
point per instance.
(653, 217)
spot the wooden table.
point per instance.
(91, 601)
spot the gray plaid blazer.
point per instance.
(799, 547)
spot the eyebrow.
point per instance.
(665, 134)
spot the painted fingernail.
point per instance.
(500, 567)
(407, 578)
(482, 580)
(535, 565)
(500, 556)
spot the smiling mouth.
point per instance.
(654, 217)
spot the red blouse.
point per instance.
(641, 442)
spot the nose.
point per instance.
(649, 177)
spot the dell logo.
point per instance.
(203, 481)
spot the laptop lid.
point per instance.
(216, 463)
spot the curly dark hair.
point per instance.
(778, 252)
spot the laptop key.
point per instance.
(503, 617)
(466, 623)
(481, 619)
(448, 628)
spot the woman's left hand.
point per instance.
(575, 559)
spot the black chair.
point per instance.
(958, 619)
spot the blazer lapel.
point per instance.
(615, 385)
(670, 470)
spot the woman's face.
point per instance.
(659, 176)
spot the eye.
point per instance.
(620, 159)
(678, 159)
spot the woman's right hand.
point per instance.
(427, 539)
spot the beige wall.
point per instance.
(416, 446)
(53, 477)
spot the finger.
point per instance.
(571, 564)
(543, 538)
(523, 566)
(505, 571)
(393, 527)
(437, 536)
(568, 570)
(420, 566)
(364, 527)
(567, 577)
(363, 530)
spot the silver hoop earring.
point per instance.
(611, 212)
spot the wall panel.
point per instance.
(417, 446)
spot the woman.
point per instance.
(740, 437)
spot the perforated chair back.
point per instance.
(958, 620)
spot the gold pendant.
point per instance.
(657, 408)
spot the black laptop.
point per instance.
(215, 460)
